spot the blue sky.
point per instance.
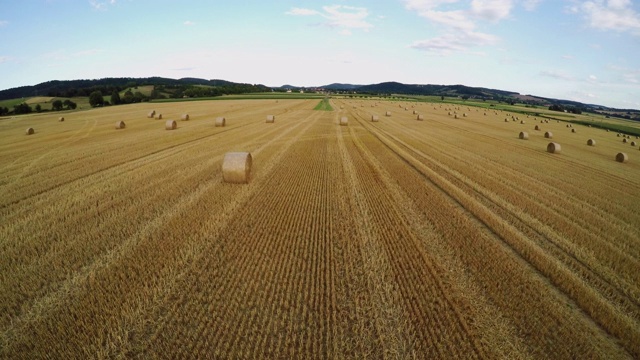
(587, 51)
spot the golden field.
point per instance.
(442, 238)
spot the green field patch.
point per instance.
(323, 105)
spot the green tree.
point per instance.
(38, 108)
(70, 105)
(96, 99)
(22, 109)
(115, 98)
(56, 105)
(128, 97)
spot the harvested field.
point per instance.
(381, 239)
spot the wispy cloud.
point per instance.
(531, 5)
(454, 42)
(3, 23)
(4, 59)
(101, 5)
(458, 23)
(302, 12)
(189, 23)
(342, 17)
(615, 15)
(558, 75)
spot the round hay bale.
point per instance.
(624, 140)
(591, 142)
(464, 114)
(61, 118)
(522, 122)
(524, 135)
(568, 126)
(344, 121)
(573, 130)
(120, 125)
(506, 120)
(633, 143)
(420, 117)
(618, 135)
(375, 118)
(607, 130)
(184, 117)
(159, 117)
(388, 113)
(271, 118)
(415, 112)
(537, 127)
(548, 135)
(151, 114)
(554, 148)
(220, 121)
(236, 167)
(449, 113)
(30, 131)
(170, 125)
(622, 157)
(455, 116)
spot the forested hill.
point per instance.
(73, 88)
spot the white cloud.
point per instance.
(345, 18)
(302, 12)
(457, 21)
(616, 15)
(491, 10)
(4, 59)
(189, 23)
(568, 57)
(3, 23)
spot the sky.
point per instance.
(587, 51)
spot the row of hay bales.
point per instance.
(555, 148)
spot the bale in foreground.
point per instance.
(61, 118)
(271, 118)
(344, 121)
(236, 167)
(220, 121)
(120, 125)
(591, 142)
(151, 114)
(170, 125)
(548, 135)
(184, 117)
(554, 148)
(30, 131)
(375, 118)
(524, 135)
(622, 157)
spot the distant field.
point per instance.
(447, 238)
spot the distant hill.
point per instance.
(73, 88)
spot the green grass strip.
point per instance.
(323, 105)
